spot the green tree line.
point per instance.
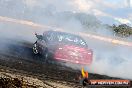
(122, 30)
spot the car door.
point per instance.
(51, 41)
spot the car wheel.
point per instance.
(35, 49)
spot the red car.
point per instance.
(61, 46)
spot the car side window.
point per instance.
(60, 38)
(49, 36)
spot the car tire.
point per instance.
(35, 48)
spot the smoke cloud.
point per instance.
(109, 59)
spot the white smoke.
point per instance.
(112, 60)
(109, 59)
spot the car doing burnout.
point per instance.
(55, 45)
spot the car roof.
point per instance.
(60, 32)
(65, 33)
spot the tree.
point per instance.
(122, 30)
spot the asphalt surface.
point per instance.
(18, 55)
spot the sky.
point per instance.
(108, 11)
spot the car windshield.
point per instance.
(67, 38)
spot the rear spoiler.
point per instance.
(39, 36)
